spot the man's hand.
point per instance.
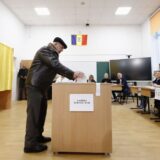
(78, 74)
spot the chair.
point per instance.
(123, 97)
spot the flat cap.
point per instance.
(57, 39)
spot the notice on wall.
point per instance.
(157, 93)
(81, 102)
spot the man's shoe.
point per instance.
(43, 139)
(35, 149)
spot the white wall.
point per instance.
(86, 67)
(110, 42)
(12, 33)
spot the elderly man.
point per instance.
(43, 70)
(125, 88)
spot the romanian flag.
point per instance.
(79, 40)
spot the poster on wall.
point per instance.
(81, 102)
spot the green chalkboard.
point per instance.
(102, 67)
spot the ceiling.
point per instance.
(80, 12)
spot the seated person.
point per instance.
(125, 88)
(143, 99)
(156, 83)
(91, 79)
(157, 78)
(106, 79)
(143, 102)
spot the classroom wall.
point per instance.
(104, 42)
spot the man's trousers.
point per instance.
(36, 114)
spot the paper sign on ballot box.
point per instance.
(81, 102)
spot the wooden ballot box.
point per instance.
(81, 118)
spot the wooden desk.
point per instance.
(143, 91)
(116, 87)
(147, 91)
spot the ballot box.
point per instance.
(81, 118)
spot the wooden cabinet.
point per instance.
(26, 63)
(5, 99)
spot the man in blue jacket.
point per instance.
(125, 88)
(43, 70)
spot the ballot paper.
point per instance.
(82, 80)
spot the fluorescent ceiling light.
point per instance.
(123, 10)
(42, 11)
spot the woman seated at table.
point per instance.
(91, 79)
